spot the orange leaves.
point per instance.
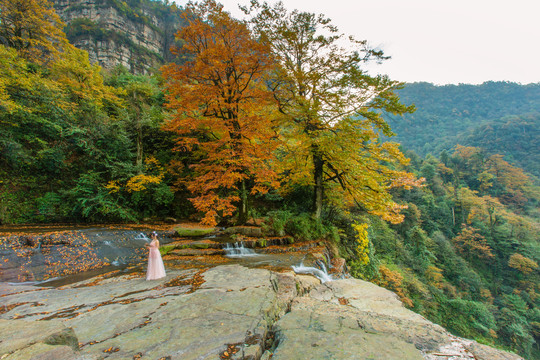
(472, 244)
(220, 107)
(392, 280)
(231, 350)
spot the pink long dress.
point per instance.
(156, 270)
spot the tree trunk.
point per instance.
(318, 163)
(139, 147)
(243, 208)
(138, 129)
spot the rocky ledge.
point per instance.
(226, 312)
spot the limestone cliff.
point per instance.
(135, 34)
(226, 312)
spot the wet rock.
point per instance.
(192, 231)
(251, 231)
(337, 267)
(27, 240)
(197, 252)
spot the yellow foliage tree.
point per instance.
(362, 249)
(435, 276)
(331, 111)
(155, 173)
(522, 264)
(33, 28)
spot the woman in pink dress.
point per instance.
(156, 270)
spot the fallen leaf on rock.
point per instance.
(343, 301)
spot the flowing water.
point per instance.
(39, 255)
(237, 250)
(52, 256)
(321, 274)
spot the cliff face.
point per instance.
(226, 312)
(135, 34)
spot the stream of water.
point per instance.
(39, 255)
(43, 256)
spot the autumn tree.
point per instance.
(513, 179)
(222, 110)
(472, 244)
(33, 28)
(331, 111)
(522, 263)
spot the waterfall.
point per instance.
(142, 236)
(318, 273)
(238, 250)
(119, 261)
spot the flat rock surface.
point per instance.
(225, 312)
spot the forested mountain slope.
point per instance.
(500, 117)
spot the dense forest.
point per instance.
(237, 131)
(501, 117)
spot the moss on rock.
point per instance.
(193, 232)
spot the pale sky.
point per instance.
(442, 42)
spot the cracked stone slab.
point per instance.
(354, 319)
(201, 314)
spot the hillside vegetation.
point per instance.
(502, 117)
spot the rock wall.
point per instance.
(226, 312)
(113, 32)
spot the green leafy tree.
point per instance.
(331, 110)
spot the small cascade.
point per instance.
(142, 236)
(320, 274)
(237, 250)
(119, 261)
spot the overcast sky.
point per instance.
(442, 42)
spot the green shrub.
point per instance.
(93, 202)
(276, 221)
(181, 231)
(467, 318)
(51, 207)
(165, 249)
(302, 227)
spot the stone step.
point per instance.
(197, 252)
